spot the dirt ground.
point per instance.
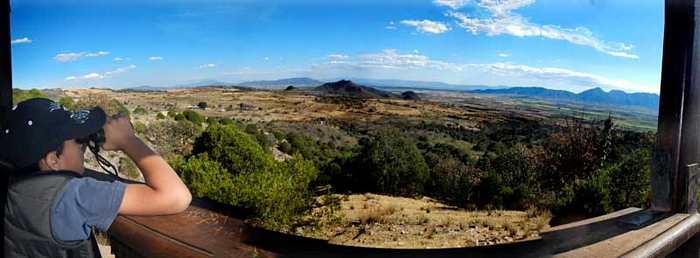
(373, 220)
(264, 106)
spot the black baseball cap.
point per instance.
(37, 126)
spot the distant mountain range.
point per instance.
(378, 83)
(591, 96)
(420, 85)
(378, 88)
(282, 83)
(145, 88)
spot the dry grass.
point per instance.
(396, 222)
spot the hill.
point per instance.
(350, 89)
(591, 96)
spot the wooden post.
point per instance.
(5, 87)
(676, 153)
(5, 60)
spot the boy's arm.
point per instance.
(164, 192)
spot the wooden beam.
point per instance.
(5, 60)
(676, 149)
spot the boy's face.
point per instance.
(71, 159)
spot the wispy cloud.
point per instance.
(454, 4)
(391, 26)
(391, 63)
(98, 76)
(206, 66)
(119, 59)
(503, 54)
(504, 21)
(69, 57)
(24, 40)
(392, 59)
(427, 26)
(155, 58)
(90, 76)
(577, 79)
(337, 58)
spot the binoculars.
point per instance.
(93, 141)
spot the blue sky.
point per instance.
(560, 44)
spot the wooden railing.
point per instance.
(203, 231)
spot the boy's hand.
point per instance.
(118, 132)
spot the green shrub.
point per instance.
(226, 121)
(202, 105)
(19, 95)
(140, 111)
(228, 166)
(160, 116)
(266, 141)
(139, 127)
(67, 102)
(179, 117)
(22, 95)
(212, 120)
(193, 117)
(234, 149)
(630, 184)
(392, 163)
(286, 147)
(454, 181)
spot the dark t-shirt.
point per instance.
(83, 203)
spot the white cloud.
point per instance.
(69, 57)
(392, 59)
(503, 21)
(266, 58)
(98, 76)
(207, 66)
(427, 26)
(90, 76)
(155, 58)
(24, 40)
(93, 76)
(120, 70)
(119, 59)
(391, 26)
(454, 4)
(577, 79)
(337, 58)
(391, 63)
(503, 54)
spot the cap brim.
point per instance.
(96, 119)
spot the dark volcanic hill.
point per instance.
(591, 96)
(349, 89)
(409, 95)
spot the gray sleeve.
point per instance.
(83, 203)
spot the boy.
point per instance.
(50, 206)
